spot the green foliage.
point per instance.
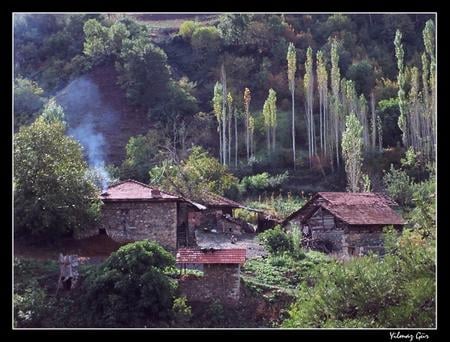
(352, 151)
(262, 182)
(279, 206)
(187, 29)
(143, 70)
(199, 172)
(97, 40)
(182, 311)
(362, 74)
(28, 101)
(276, 240)
(130, 289)
(206, 40)
(51, 195)
(284, 270)
(389, 112)
(399, 186)
(143, 152)
(53, 112)
(397, 291)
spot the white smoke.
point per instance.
(86, 111)
(94, 147)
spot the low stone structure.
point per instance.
(345, 224)
(134, 211)
(221, 274)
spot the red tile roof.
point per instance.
(208, 256)
(137, 191)
(353, 208)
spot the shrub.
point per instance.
(397, 291)
(131, 289)
(276, 240)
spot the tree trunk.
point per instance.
(293, 125)
(235, 139)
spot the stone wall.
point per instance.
(360, 240)
(220, 281)
(133, 221)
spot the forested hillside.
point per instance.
(265, 109)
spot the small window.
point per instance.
(351, 251)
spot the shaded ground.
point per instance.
(90, 250)
(219, 241)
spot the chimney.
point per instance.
(156, 193)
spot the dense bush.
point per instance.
(130, 289)
(276, 240)
(397, 291)
(262, 182)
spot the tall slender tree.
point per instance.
(335, 100)
(230, 114)
(362, 110)
(292, 68)
(309, 94)
(352, 151)
(236, 143)
(429, 33)
(322, 84)
(217, 107)
(251, 126)
(402, 120)
(373, 121)
(247, 99)
(224, 114)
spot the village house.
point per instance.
(221, 274)
(345, 224)
(135, 211)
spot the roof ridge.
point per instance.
(145, 185)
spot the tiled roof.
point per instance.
(213, 200)
(134, 190)
(353, 208)
(211, 256)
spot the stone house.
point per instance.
(345, 224)
(135, 211)
(221, 274)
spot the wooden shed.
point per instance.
(346, 224)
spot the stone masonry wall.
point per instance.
(133, 221)
(220, 281)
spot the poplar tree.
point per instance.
(373, 120)
(224, 114)
(352, 151)
(247, 99)
(308, 82)
(335, 85)
(217, 107)
(270, 120)
(292, 68)
(230, 114)
(322, 84)
(235, 137)
(429, 42)
(362, 106)
(251, 127)
(402, 120)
